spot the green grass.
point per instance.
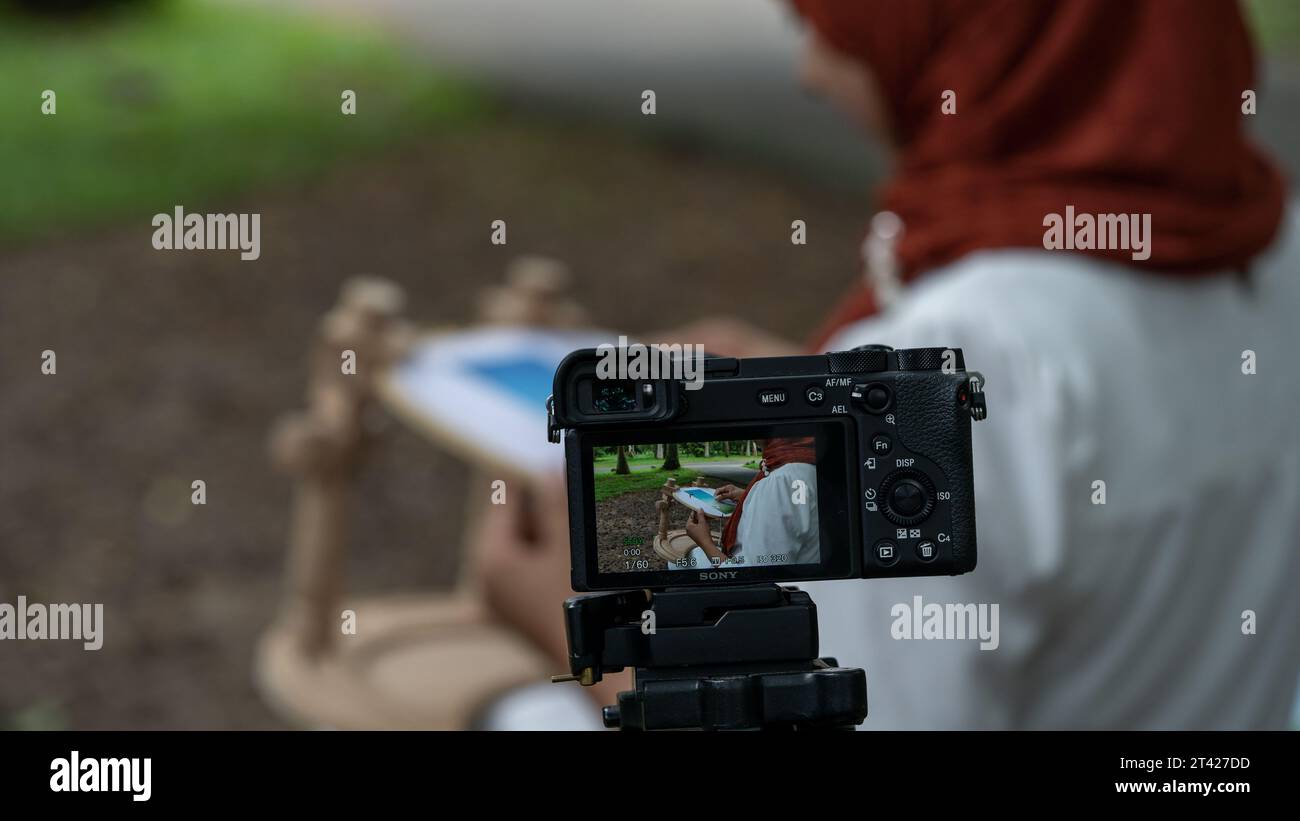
(1277, 25)
(609, 485)
(658, 460)
(192, 103)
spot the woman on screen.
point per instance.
(775, 521)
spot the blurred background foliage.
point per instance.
(1277, 24)
(176, 101)
(194, 101)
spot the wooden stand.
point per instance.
(324, 445)
(533, 297)
(429, 661)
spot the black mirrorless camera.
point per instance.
(691, 494)
(865, 457)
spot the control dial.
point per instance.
(908, 497)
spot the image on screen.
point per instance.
(706, 504)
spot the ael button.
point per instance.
(874, 397)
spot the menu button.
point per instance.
(774, 396)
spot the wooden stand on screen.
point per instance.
(670, 545)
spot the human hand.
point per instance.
(697, 527)
(729, 493)
(521, 555)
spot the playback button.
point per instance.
(886, 552)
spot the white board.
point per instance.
(703, 499)
(482, 392)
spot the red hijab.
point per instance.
(1112, 106)
(776, 452)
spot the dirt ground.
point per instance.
(171, 367)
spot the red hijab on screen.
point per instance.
(1112, 106)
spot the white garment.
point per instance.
(542, 706)
(774, 528)
(1127, 614)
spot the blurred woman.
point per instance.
(1136, 482)
(1137, 478)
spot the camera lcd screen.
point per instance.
(754, 500)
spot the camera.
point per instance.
(714, 470)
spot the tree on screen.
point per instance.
(670, 461)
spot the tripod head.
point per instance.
(724, 658)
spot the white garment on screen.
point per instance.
(774, 527)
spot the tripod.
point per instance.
(713, 658)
